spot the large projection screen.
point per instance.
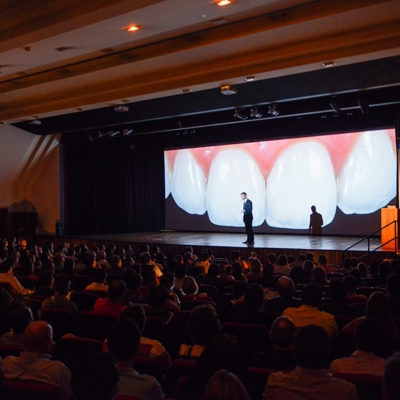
(349, 177)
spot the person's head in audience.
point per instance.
(350, 284)
(291, 259)
(38, 338)
(255, 266)
(379, 307)
(116, 290)
(224, 385)
(322, 260)
(167, 280)
(271, 258)
(297, 274)
(308, 267)
(213, 270)
(237, 270)
(282, 332)
(311, 347)
(115, 262)
(61, 286)
(135, 313)
(123, 341)
(69, 266)
(347, 263)
(285, 286)
(99, 275)
(133, 280)
(319, 275)
(20, 318)
(391, 378)
(282, 260)
(95, 377)
(253, 297)
(337, 291)
(368, 335)
(236, 256)
(384, 270)
(310, 257)
(158, 296)
(356, 274)
(46, 279)
(189, 285)
(203, 324)
(312, 295)
(221, 353)
(6, 267)
(180, 271)
(363, 269)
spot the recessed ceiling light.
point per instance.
(132, 28)
(186, 90)
(223, 3)
(328, 64)
(250, 78)
(227, 90)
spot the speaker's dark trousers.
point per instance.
(248, 222)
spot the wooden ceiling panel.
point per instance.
(25, 21)
(371, 39)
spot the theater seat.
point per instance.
(94, 325)
(10, 350)
(369, 387)
(23, 390)
(63, 321)
(179, 368)
(69, 350)
(84, 300)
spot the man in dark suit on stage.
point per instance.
(248, 218)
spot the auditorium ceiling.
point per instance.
(72, 56)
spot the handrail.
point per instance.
(368, 237)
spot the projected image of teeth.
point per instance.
(167, 176)
(302, 176)
(188, 184)
(232, 172)
(355, 172)
(367, 181)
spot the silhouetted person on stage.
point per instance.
(248, 218)
(316, 222)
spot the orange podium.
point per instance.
(388, 216)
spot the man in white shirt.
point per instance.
(123, 343)
(363, 361)
(35, 364)
(310, 379)
(308, 313)
(7, 276)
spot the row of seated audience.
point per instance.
(307, 310)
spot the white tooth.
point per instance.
(367, 181)
(302, 176)
(232, 172)
(167, 176)
(188, 185)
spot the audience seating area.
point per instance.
(229, 287)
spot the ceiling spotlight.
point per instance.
(227, 90)
(126, 132)
(35, 122)
(121, 108)
(328, 64)
(132, 28)
(223, 3)
(240, 114)
(254, 113)
(250, 78)
(272, 110)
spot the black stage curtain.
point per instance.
(113, 186)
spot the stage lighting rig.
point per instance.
(240, 113)
(254, 113)
(273, 110)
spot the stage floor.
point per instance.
(264, 241)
